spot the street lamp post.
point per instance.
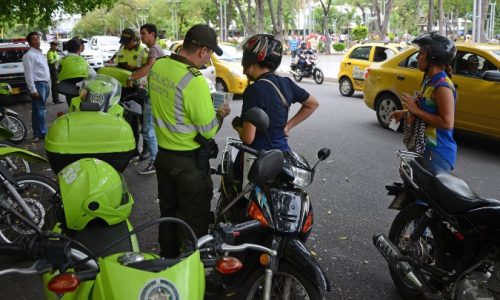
(174, 6)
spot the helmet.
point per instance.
(265, 49)
(90, 189)
(440, 49)
(101, 89)
(5, 89)
(303, 45)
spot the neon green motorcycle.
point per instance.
(92, 253)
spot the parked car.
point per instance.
(11, 64)
(352, 67)
(94, 57)
(478, 104)
(230, 77)
(107, 44)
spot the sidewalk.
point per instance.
(329, 64)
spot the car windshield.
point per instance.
(109, 40)
(495, 53)
(231, 53)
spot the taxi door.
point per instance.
(478, 103)
(358, 61)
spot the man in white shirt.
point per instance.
(37, 75)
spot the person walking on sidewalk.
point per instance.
(149, 34)
(53, 60)
(185, 123)
(37, 75)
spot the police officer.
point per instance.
(53, 60)
(182, 108)
(74, 68)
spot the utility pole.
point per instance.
(476, 21)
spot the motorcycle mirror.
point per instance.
(323, 154)
(266, 167)
(258, 118)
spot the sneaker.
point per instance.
(37, 139)
(150, 169)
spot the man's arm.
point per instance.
(307, 108)
(28, 73)
(144, 70)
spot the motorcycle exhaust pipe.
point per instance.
(391, 253)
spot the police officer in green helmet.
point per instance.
(74, 68)
(184, 118)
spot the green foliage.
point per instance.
(359, 33)
(339, 47)
(42, 12)
(391, 36)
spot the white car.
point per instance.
(11, 65)
(107, 44)
(93, 57)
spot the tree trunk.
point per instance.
(485, 4)
(250, 18)
(229, 16)
(326, 12)
(388, 8)
(273, 17)
(430, 16)
(259, 15)
(441, 18)
(378, 22)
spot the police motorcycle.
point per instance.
(310, 67)
(445, 241)
(285, 212)
(27, 194)
(10, 119)
(94, 258)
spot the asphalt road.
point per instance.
(349, 199)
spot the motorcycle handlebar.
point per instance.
(247, 226)
(246, 148)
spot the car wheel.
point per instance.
(386, 104)
(345, 87)
(220, 85)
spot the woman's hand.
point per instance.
(411, 103)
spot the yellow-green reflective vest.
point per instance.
(52, 57)
(73, 66)
(134, 57)
(181, 105)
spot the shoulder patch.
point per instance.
(194, 71)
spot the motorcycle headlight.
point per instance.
(302, 178)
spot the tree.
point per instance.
(324, 25)
(381, 25)
(41, 12)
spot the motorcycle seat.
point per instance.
(98, 234)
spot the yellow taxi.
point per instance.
(228, 69)
(352, 67)
(476, 78)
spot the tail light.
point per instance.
(308, 223)
(367, 71)
(63, 283)
(256, 213)
(228, 265)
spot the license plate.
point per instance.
(16, 91)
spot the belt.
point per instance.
(187, 153)
(42, 81)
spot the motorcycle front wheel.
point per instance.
(17, 127)
(287, 283)
(429, 248)
(297, 77)
(15, 164)
(318, 76)
(38, 193)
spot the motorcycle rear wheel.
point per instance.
(430, 247)
(38, 192)
(287, 281)
(14, 163)
(318, 76)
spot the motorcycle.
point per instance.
(285, 212)
(310, 68)
(74, 267)
(444, 242)
(10, 119)
(28, 194)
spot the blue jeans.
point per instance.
(38, 109)
(148, 130)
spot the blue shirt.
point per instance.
(438, 140)
(294, 44)
(262, 94)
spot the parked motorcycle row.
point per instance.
(83, 246)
